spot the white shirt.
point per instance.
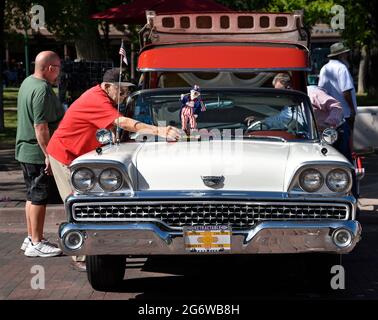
(335, 78)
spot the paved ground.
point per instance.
(184, 278)
(180, 278)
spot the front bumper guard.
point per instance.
(144, 239)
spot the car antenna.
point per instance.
(122, 57)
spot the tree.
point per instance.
(68, 20)
(2, 7)
(314, 10)
(360, 33)
(245, 5)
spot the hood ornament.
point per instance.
(213, 181)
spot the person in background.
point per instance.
(38, 114)
(287, 115)
(327, 110)
(329, 114)
(336, 79)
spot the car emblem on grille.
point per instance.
(213, 181)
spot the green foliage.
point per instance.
(64, 18)
(245, 5)
(314, 10)
(360, 15)
(17, 15)
(360, 22)
(8, 136)
(367, 100)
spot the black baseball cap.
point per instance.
(112, 76)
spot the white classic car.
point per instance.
(234, 187)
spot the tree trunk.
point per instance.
(2, 8)
(88, 45)
(362, 71)
(372, 82)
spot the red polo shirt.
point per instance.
(76, 134)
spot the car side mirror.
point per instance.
(329, 136)
(104, 136)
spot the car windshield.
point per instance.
(253, 114)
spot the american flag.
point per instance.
(122, 52)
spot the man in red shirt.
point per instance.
(94, 109)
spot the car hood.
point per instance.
(238, 165)
(253, 166)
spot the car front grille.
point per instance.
(238, 215)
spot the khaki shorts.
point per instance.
(62, 177)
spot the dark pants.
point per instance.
(343, 145)
(343, 141)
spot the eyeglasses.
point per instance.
(56, 65)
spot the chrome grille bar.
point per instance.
(177, 214)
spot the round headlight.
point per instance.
(110, 179)
(338, 180)
(311, 180)
(83, 179)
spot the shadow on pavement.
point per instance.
(227, 277)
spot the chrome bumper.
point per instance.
(267, 237)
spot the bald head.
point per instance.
(44, 59)
(47, 66)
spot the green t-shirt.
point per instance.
(36, 103)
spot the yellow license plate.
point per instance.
(207, 238)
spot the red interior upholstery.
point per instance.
(274, 133)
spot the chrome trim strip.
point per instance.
(350, 225)
(168, 195)
(267, 237)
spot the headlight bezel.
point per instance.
(325, 168)
(98, 168)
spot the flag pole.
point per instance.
(119, 95)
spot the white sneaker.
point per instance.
(46, 241)
(26, 243)
(42, 249)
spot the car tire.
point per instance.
(105, 273)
